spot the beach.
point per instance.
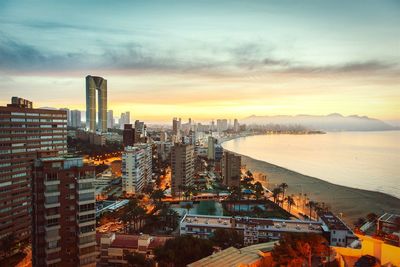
(352, 203)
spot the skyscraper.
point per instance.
(236, 125)
(128, 135)
(124, 119)
(110, 119)
(93, 84)
(231, 172)
(182, 163)
(64, 213)
(75, 118)
(211, 148)
(24, 131)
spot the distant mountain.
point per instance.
(331, 122)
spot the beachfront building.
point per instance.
(258, 230)
(211, 148)
(231, 172)
(336, 231)
(254, 230)
(114, 247)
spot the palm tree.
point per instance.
(259, 190)
(188, 206)
(310, 205)
(283, 186)
(276, 192)
(290, 202)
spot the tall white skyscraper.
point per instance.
(133, 170)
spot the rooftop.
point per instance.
(389, 217)
(240, 222)
(132, 241)
(333, 222)
(235, 257)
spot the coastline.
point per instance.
(353, 203)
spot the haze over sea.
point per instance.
(364, 160)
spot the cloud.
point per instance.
(19, 57)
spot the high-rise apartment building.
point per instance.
(182, 163)
(211, 147)
(24, 131)
(68, 115)
(128, 135)
(64, 213)
(236, 126)
(231, 172)
(93, 84)
(110, 119)
(148, 161)
(133, 170)
(222, 125)
(124, 119)
(75, 118)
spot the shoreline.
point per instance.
(352, 203)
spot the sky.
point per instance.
(205, 59)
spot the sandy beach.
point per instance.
(352, 203)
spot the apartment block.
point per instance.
(24, 131)
(182, 163)
(64, 214)
(231, 172)
(133, 169)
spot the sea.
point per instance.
(364, 160)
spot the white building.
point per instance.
(133, 170)
(148, 161)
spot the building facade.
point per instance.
(24, 131)
(133, 170)
(110, 119)
(231, 172)
(96, 84)
(128, 135)
(64, 214)
(75, 118)
(148, 161)
(182, 163)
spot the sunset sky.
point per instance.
(205, 59)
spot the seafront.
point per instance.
(351, 203)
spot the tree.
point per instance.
(188, 207)
(283, 186)
(182, 250)
(290, 202)
(138, 260)
(311, 205)
(258, 189)
(276, 192)
(227, 238)
(298, 249)
(157, 196)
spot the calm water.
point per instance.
(366, 160)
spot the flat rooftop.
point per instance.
(333, 222)
(240, 222)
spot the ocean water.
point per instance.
(365, 160)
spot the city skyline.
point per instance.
(184, 60)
